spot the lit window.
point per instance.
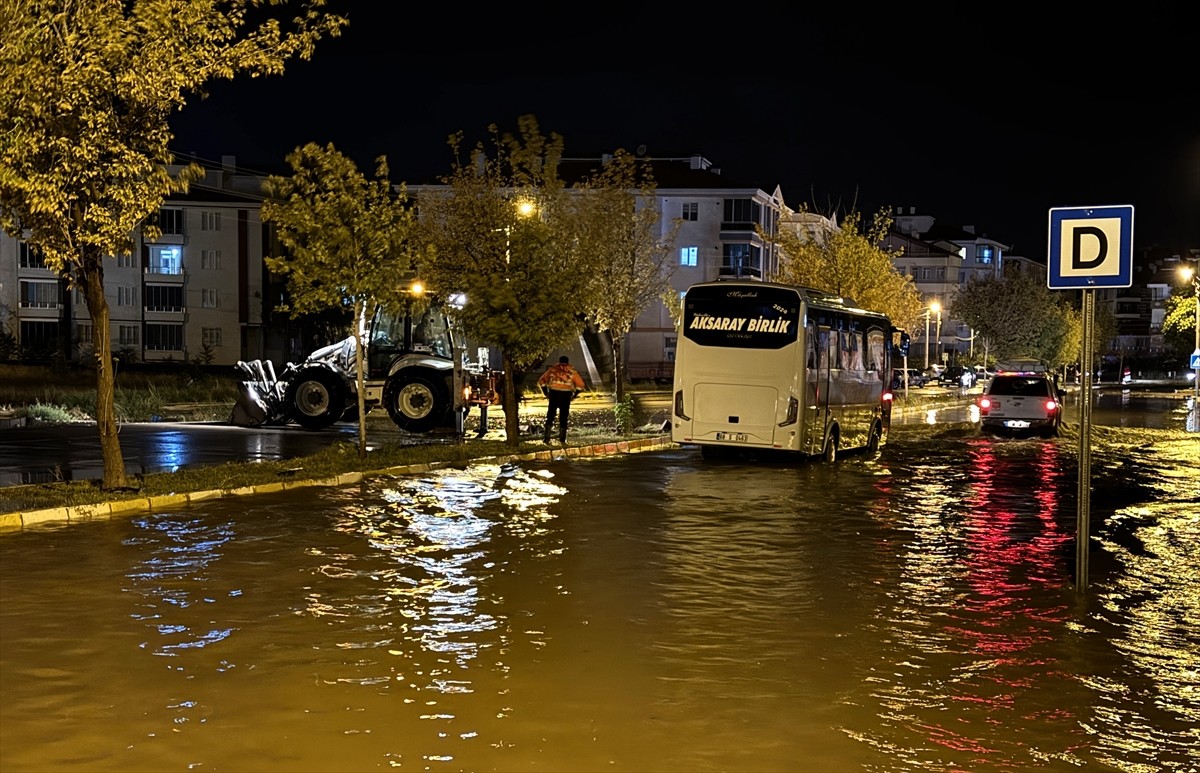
(166, 260)
(687, 256)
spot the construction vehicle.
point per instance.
(416, 369)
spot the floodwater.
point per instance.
(915, 611)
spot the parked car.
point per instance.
(915, 378)
(1021, 403)
(958, 376)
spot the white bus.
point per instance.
(761, 366)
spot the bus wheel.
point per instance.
(831, 448)
(873, 441)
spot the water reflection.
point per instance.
(909, 612)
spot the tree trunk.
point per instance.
(360, 375)
(618, 367)
(512, 423)
(106, 417)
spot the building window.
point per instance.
(741, 215)
(210, 336)
(985, 253)
(210, 221)
(39, 334)
(84, 334)
(210, 260)
(741, 260)
(31, 257)
(687, 256)
(164, 298)
(167, 259)
(126, 296)
(125, 261)
(170, 221)
(164, 338)
(127, 335)
(40, 295)
(209, 299)
(691, 211)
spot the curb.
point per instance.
(12, 522)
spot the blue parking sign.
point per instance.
(1090, 247)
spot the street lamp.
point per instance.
(934, 308)
(1188, 273)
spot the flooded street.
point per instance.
(646, 612)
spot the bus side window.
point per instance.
(823, 348)
(875, 351)
(812, 347)
(854, 359)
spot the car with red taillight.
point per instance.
(1021, 403)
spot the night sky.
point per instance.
(988, 122)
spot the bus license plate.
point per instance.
(737, 437)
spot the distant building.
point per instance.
(192, 295)
(201, 291)
(942, 259)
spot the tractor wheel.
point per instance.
(316, 398)
(416, 402)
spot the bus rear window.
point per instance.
(741, 317)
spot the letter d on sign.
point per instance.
(1078, 263)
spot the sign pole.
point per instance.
(1090, 248)
(1084, 503)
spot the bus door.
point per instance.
(821, 343)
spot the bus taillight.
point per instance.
(793, 412)
(679, 406)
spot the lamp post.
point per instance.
(1189, 274)
(937, 309)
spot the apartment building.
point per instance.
(201, 293)
(194, 294)
(718, 235)
(941, 259)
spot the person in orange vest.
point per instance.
(560, 384)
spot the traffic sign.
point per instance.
(1195, 362)
(1090, 247)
